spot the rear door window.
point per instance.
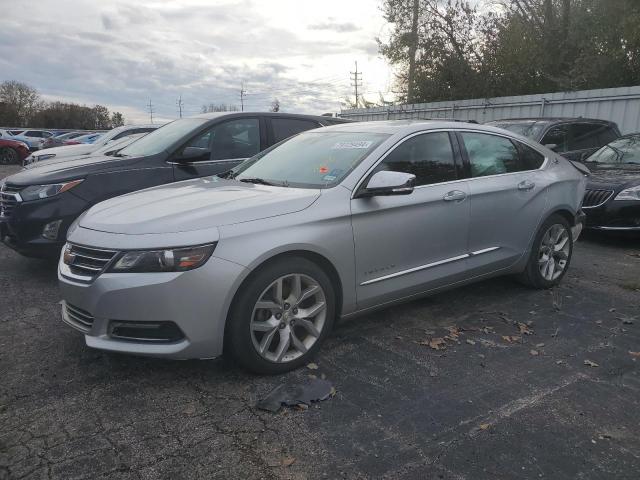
(585, 136)
(491, 154)
(287, 127)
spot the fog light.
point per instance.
(50, 230)
(145, 331)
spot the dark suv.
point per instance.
(38, 204)
(573, 138)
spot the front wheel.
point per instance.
(550, 254)
(281, 316)
(8, 156)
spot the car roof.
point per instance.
(550, 120)
(393, 127)
(301, 116)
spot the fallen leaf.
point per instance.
(524, 329)
(302, 406)
(437, 343)
(634, 354)
(189, 409)
(288, 461)
(540, 345)
(599, 322)
(399, 337)
(535, 353)
(511, 338)
(485, 426)
(312, 366)
(560, 362)
(589, 363)
(612, 310)
(429, 332)
(626, 320)
(471, 342)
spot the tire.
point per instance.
(8, 156)
(258, 311)
(543, 268)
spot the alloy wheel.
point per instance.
(288, 318)
(8, 156)
(553, 254)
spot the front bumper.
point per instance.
(615, 215)
(22, 229)
(197, 301)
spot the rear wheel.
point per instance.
(550, 255)
(8, 156)
(281, 316)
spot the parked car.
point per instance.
(12, 151)
(612, 199)
(83, 149)
(573, 138)
(40, 203)
(330, 223)
(34, 138)
(88, 138)
(58, 140)
(5, 134)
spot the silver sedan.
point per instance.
(332, 223)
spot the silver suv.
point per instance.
(332, 223)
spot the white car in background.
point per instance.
(87, 148)
(33, 138)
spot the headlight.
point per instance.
(35, 192)
(632, 193)
(169, 260)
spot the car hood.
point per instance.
(54, 170)
(614, 177)
(198, 204)
(68, 150)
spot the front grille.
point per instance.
(87, 262)
(8, 200)
(77, 317)
(595, 198)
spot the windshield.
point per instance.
(311, 159)
(162, 138)
(531, 130)
(624, 150)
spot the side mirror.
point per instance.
(192, 154)
(386, 183)
(551, 146)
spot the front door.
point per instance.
(508, 196)
(230, 142)
(411, 243)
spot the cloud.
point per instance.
(122, 54)
(335, 27)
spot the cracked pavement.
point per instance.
(483, 407)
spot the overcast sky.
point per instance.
(123, 53)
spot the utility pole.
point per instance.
(150, 107)
(180, 104)
(356, 79)
(243, 92)
(413, 49)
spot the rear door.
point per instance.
(229, 142)
(508, 195)
(411, 243)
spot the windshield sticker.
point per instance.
(348, 145)
(329, 178)
(323, 170)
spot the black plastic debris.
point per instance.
(291, 395)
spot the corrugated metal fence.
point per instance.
(621, 105)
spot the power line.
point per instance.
(356, 81)
(180, 104)
(150, 107)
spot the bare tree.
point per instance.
(22, 102)
(275, 105)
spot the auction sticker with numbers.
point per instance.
(348, 145)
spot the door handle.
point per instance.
(454, 196)
(526, 185)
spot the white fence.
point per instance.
(620, 105)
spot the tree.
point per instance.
(20, 102)
(275, 105)
(117, 120)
